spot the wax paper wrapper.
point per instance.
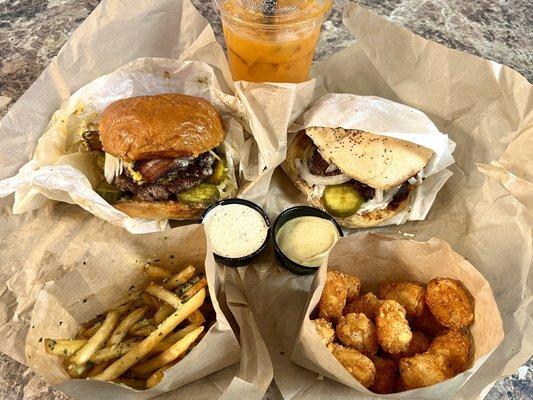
(483, 211)
(387, 118)
(378, 259)
(61, 169)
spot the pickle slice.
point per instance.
(220, 172)
(341, 200)
(108, 192)
(204, 193)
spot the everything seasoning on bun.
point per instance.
(162, 156)
(360, 178)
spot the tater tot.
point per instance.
(424, 370)
(333, 297)
(455, 346)
(367, 304)
(450, 303)
(386, 373)
(357, 364)
(354, 288)
(419, 344)
(357, 331)
(409, 294)
(325, 330)
(393, 330)
(427, 324)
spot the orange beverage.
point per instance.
(272, 40)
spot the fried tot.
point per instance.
(409, 294)
(419, 344)
(333, 297)
(325, 330)
(367, 304)
(424, 370)
(357, 364)
(354, 287)
(357, 331)
(427, 324)
(455, 346)
(393, 332)
(386, 375)
(450, 303)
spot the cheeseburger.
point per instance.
(163, 156)
(360, 178)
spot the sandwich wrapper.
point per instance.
(378, 259)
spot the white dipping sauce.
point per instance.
(235, 230)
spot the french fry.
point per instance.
(89, 332)
(149, 301)
(63, 347)
(76, 371)
(112, 352)
(145, 330)
(156, 272)
(158, 375)
(137, 384)
(98, 340)
(180, 278)
(97, 369)
(146, 346)
(122, 329)
(173, 352)
(197, 320)
(162, 313)
(163, 294)
(194, 288)
(141, 324)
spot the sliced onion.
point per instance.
(112, 167)
(331, 168)
(303, 170)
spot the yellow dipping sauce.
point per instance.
(307, 240)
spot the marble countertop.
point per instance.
(33, 31)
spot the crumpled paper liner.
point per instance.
(377, 259)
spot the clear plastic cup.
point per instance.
(271, 40)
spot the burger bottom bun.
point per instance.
(160, 209)
(296, 150)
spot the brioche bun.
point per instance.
(161, 126)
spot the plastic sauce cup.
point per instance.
(271, 40)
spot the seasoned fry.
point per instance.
(122, 329)
(76, 371)
(144, 331)
(144, 348)
(98, 340)
(137, 384)
(89, 332)
(169, 355)
(180, 278)
(424, 370)
(357, 331)
(455, 346)
(156, 272)
(158, 375)
(97, 369)
(149, 301)
(164, 294)
(141, 324)
(386, 375)
(427, 324)
(354, 287)
(197, 318)
(333, 297)
(367, 304)
(450, 303)
(357, 364)
(393, 332)
(409, 294)
(325, 330)
(112, 352)
(63, 347)
(162, 313)
(194, 288)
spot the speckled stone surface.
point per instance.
(33, 31)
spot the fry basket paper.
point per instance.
(378, 259)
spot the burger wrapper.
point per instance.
(50, 154)
(377, 259)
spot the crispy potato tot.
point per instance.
(418, 344)
(169, 355)
(145, 347)
(450, 303)
(393, 330)
(98, 340)
(333, 297)
(197, 320)
(427, 324)
(357, 331)
(324, 329)
(357, 364)
(424, 370)
(194, 288)
(157, 272)
(63, 347)
(354, 287)
(367, 304)
(162, 313)
(386, 375)
(409, 294)
(180, 278)
(123, 328)
(163, 294)
(137, 384)
(455, 346)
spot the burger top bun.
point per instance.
(161, 126)
(379, 161)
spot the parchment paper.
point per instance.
(377, 259)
